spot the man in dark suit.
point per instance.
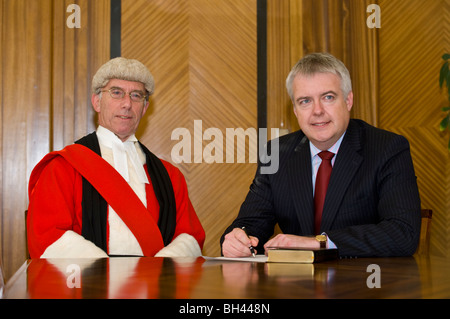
(372, 204)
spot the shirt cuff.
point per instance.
(330, 244)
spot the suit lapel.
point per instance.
(300, 185)
(347, 162)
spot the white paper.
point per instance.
(257, 259)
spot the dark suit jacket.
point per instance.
(372, 206)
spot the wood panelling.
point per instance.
(202, 54)
(281, 36)
(361, 58)
(413, 37)
(46, 70)
(2, 272)
(296, 28)
(77, 54)
(26, 98)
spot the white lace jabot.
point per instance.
(120, 151)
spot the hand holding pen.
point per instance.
(252, 250)
(238, 243)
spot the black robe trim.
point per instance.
(95, 208)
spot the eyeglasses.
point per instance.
(118, 93)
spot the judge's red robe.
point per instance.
(55, 193)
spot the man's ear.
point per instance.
(95, 100)
(147, 103)
(349, 101)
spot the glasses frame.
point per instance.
(144, 98)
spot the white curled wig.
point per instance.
(123, 69)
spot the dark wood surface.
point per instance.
(166, 278)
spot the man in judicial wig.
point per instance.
(368, 206)
(107, 194)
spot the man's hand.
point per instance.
(237, 244)
(283, 240)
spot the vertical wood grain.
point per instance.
(2, 272)
(25, 106)
(279, 106)
(361, 58)
(77, 54)
(45, 97)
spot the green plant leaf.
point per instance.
(448, 84)
(444, 123)
(444, 75)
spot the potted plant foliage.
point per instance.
(444, 76)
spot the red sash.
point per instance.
(115, 190)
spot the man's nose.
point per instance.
(126, 101)
(318, 107)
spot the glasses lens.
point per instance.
(137, 96)
(116, 93)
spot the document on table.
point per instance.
(257, 259)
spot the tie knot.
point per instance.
(326, 156)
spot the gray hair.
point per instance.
(319, 63)
(123, 69)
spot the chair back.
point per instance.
(424, 243)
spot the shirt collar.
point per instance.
(107, 137)
(122, 153)
(334, 149)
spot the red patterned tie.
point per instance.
(322, 179)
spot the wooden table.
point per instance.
(197, 278)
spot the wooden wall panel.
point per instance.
(202, 54)
(77, 54)
(279, 62)
(46, 70)
(25, 107)
(296, 28)
(2, 273)
(361, 58)
(413, 37)
(223, 95)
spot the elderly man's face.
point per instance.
(121, 116)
